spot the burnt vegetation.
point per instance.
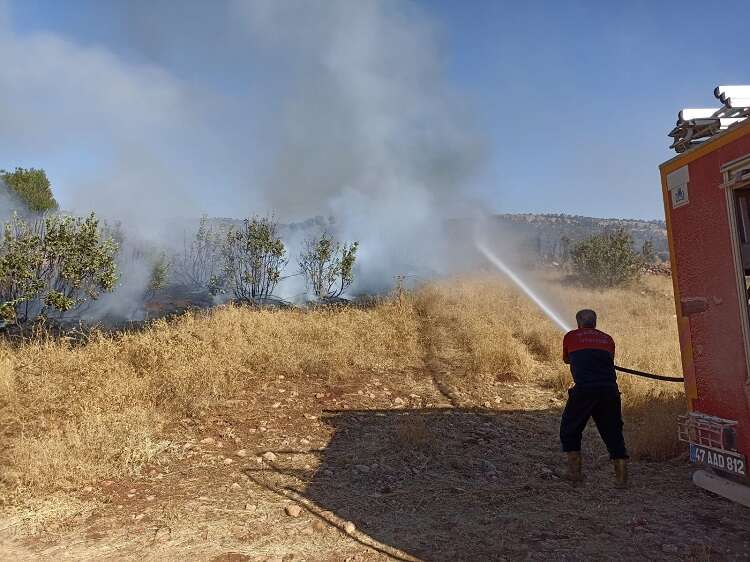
(54, 267)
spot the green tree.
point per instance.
(606, 259)
(327, 265)
(32, 187)
(254, 257)
(53, 264)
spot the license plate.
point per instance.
(721, 460)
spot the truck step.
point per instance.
(726, 488)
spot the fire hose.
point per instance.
(500, 265)
(648, 375)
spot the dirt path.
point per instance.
(397, 465)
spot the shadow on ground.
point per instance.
(451, 484)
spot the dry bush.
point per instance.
(75, 414)
(94, 446)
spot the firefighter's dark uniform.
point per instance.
(595, 394)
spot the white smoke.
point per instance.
(343, 110)
(368, 129)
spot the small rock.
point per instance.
(304, 441)
(319, 395)
(293, 510)
(208, 440)
(399, 401)
(241, 453)
(276, 405)
(349, 527)
(150, 498)
(131, 495)
(488, 467)
(139, 516)
(251, 507)
(132, 491)
(319, 526)
(88, 489)
(310, 417)
(361, 468)
(228, 461)
(269, 456)
(235, 486)
(162, 534)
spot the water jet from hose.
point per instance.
(484, 248)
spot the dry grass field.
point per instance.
(83, 422)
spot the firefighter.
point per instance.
(595, 394)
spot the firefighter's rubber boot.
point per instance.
(621, 473)
(574, 473)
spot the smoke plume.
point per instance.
(368, 130)
(298, 108)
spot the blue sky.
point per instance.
(572, 100)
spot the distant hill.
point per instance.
(541, 236)
(545, 233)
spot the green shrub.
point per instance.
(32, 187)
(328, 266)
(159, 277)
(607, 259)
(53, 264)
(254, 257)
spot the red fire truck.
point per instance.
(706, 190)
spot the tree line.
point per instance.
(52, 263)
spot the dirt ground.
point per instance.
(398, 465)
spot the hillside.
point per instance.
(539, 233)
(544, 232)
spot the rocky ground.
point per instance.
(386, 467)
